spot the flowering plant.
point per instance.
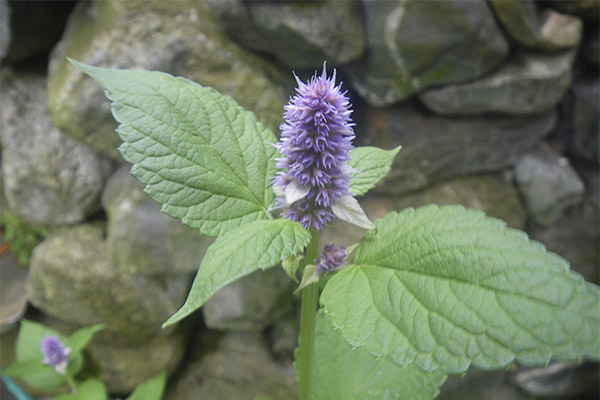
(433, 289)
(46, 360)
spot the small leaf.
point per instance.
(200, 155)
(446, 287)
(261, 244)
(152, 389)
(309, 276)
(92, 389)
(291, 264)
(371, 164)
(347, 209)
(294, 191)
(341, 372)
(80, 338)
(25, 368)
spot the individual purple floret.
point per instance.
(331, 258)
(55, 353)
(316, 139)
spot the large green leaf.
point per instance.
(92, 389)
(202, 156)
(261, 244)
(371, 164)
(341, 372)
(446, 287)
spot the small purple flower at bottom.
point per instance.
(331, 258)
(55, 353)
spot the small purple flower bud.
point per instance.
(55, 353)
(331, 258)
(316, 139)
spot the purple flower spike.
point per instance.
(316, 139)
(331, 258)
(55, 353)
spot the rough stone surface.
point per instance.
(547, 31)
(559, 380)
(477, 385)
(250, 303)
(13, 299)
(240, 369)
(140, 238)
(548, 184)
(48, 178)
(578, 130)
(412, 45)
(435, 148)
(575, 236)
(30, 28)
(72, 278)
(126, 363)
(176, 37)
(587, 9)
(298, 33)
(529, 83)
(492, 194)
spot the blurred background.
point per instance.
(496, 105)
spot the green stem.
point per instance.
(71, 382)
(310, 298)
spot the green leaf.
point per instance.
(239, 252)
(152, 389)
(291, 264)
(92, 389)
(372, 164)
(309, 276)
(341, 372)
(25, 368)
(203, 157)
(80, 338)
(446, 287)
(28, 349)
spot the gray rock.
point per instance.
(30, 28)
(436, 148)
(126, 363)
(140, 238)
(180, 37)
(587, 9)
(412, 45)
(527, 84)
(72, 278)
(492, 194)
(240, 369)
(250, 303)
(297, 33)
(578, 130)
(575, 236)
(13, 299)
(283, 337)
(559, 380)
(477, 385)
(548, 184)
(48, 177)
(4, 28)
(548, 31)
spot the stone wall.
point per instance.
(496, 105)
